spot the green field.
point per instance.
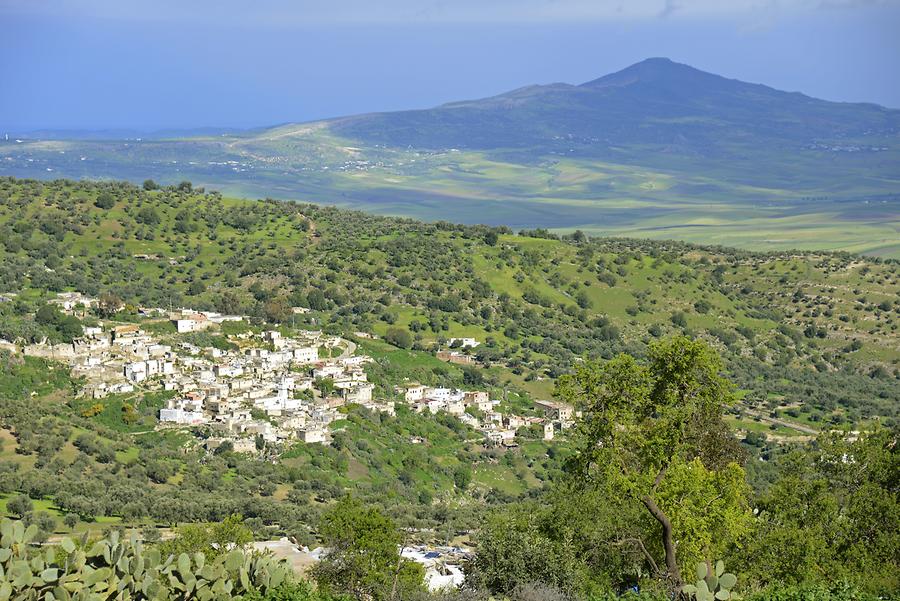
(475, 187)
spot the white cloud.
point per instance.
(311, 12)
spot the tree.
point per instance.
(212, 540)
(150, 185)
(472, 376)
(150, 534)
(654, 434)
(324, 385)
(45, 523)
(48, 315)
(108, 304)
(277, 310)
(20, 505)
(583, 300)
(316, 300)
(514, 549)
(228, 302)
(364, 560)
(831, 515)
(105, 200)
(226, 447)
(69, 328)
(462, 477)
(159, 471)
(399, 337)
(196, 288)
(148, 216)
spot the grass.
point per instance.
(116, 409)
(403, 360)
(38, 505)
(499, 477)
(763, 427)
(128, 456)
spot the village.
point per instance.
(265, 389)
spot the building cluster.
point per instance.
(257, 386)
(253, 387)
(266, 388)
(478, 410)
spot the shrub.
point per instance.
(122, 568)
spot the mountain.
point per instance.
(657, 150)
(656, 101)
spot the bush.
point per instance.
(20, 505)
(399, 337)
(122, 568)
(105, 200)
(841, 591)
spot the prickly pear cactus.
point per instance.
(122, 570)
(711, 585)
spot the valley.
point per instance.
(659, 150)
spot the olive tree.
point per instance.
(653, 434)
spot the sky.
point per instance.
(185, 64)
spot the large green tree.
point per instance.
(364, 558)
(652, 434)
(833, 514)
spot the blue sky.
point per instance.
(103, 64)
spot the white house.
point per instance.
(228, 371)
(548, 431)
(181, 416)
(69, 301)
(355, 392)
(193, 322)
(413, 392)
(328, 371)
(136, 372)
(312, 435)
(444, 394)
(456, 407)
(306, 354)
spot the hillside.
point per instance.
(814, 335)
(809, 341)
(657, 150)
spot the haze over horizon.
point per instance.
(130, 67)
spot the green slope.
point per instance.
(818, 330)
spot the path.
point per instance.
(782, 422)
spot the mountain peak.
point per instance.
(657, 61)
(656, 70)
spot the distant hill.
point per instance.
(657, 150)
(656, 101)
